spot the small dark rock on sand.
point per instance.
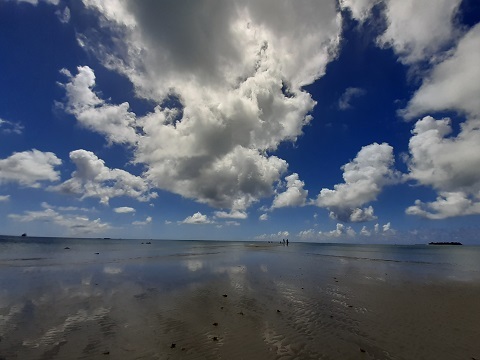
(106, 353)
(221, 307)
(241, 313)
(278, 311)
(224, 295)
(173, 346)
(215, 324)
(215, 338)
(362, 350)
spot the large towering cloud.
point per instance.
(365, 176)
(228, 79)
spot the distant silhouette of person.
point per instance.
(287, 242)
(283, 242)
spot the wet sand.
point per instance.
(234, 301)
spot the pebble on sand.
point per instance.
(224, 295)
(215, 324)
(173, 346)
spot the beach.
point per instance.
(126, 299)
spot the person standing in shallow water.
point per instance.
(287, 242)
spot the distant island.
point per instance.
(445, 243)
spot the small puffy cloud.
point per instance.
(124, 210)
(354, 215)
(453, 84)
(196, 219)
(29, 168)
(294, 195)
(309, 234)
(10, 127)
(234, 214)
(263, 217)
(93, 179)
(232, 223)
(46, 205)
(383, 230)
(35, 2)
(148, 220)
(365, 176)
(275, 236)
(75, 224)
(63, 15)
(365, 232)
(340, 231)
(4, 198)
(347, 97)
(115, 122)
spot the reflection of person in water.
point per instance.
(283, 242)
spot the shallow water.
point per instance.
(319, 301)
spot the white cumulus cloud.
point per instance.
(124, 210)
(235, 72)
(365, 176)
(196, 219)
(294, 195)
(29, 168)
(148, 220)
(115, 122)
(234, 214)
(4, 198)
(447, 163)
(93, 179)
(447, 204)
(416, 30)
(75, 224)
(453, 84)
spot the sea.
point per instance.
(69, 298)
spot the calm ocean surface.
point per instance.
(448, 262)
(65, 298)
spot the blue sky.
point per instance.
(350, 121)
